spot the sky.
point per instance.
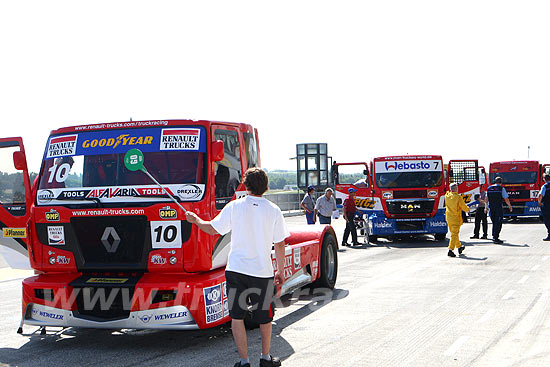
(461, 79)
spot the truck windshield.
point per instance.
(524, 177)
(91, 165)
(409, 179)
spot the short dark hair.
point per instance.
(498, 180)
(546, 177)
(256, 181)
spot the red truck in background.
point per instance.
(112, 249)
(522, 180)
(404, 195)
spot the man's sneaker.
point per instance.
(345, 244)
(356, 244)
(461, 250)
(546, 239)
(451, 253)
(275, 362)
(474, 237)
(484, 237)
(238, 364)
(497, 241)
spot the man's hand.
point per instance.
(279, 277)
(510, 208)
(191, 217)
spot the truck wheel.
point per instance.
(440, 236)
(328, 263)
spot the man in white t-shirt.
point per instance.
(255, 225)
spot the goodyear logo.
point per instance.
(15, 232)
(168, 213)
(123, 139)
(52, 216)
(107, 280)
(364, 203)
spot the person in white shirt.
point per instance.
(255, 225)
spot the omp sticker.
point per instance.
(108, 280)
(52, 216)
(180, 139)
(168, 213)
(15, 232)
(166, 234)
(213, 303)
(56, 235)
(61, 146)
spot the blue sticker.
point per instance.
(191, 139)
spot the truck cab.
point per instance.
(110, 245)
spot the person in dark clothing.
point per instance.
(349, 214)
(481, 214)
(544, 203)
(496, 193)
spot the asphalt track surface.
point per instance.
(402, 303)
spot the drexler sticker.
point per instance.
(15, 232)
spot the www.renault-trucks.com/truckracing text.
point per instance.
(104, 225)
(404, 195)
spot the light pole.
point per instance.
(528, 149)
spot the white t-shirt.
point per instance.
(255, 224)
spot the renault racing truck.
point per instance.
(405, 195)
(104, 225)
(522, 180)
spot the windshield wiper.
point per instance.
(95, 200)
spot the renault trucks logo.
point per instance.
(62, 146)
(110, 240)
(399, 166)
(180, 139)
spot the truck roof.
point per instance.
(146, 123)
(516, 162)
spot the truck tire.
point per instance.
(328, 263)
(440, 236)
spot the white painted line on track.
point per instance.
(508, 295)
(535, 268)
(456, 346)
(524, 279)
(487, 316)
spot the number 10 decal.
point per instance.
(166, 234)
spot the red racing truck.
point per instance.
(109, 242)
(404, 195)
(522, 180)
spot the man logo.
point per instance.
(110, 247)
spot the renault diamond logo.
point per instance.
(110, 247)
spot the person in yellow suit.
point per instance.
(455, 205)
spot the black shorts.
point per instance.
(247, 293)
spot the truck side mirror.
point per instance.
(365, 172)
(19, 160)
(217, 151)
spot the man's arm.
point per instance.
(508, 203)
(280, 259)
(203, 225)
